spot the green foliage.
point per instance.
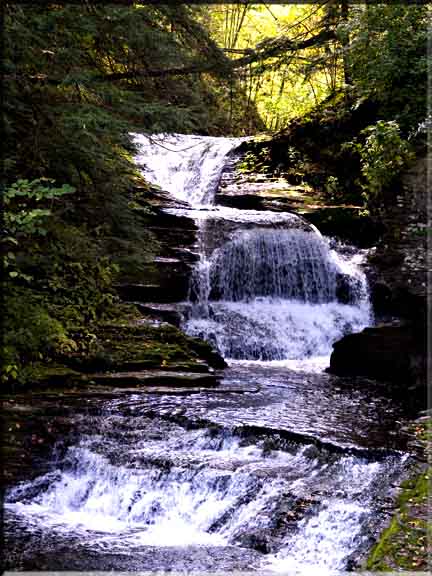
(388, 59)
(30, 332)
(405, 543)
(254, 161)
(22, 220)
(76, 82)
(306, 54)
(333, 190)
(384, 154)
(58, 92)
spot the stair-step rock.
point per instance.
(156, 378)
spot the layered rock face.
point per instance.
(165, 278)
(396, 353)
(401, 260)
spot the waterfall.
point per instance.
(281, 469)
(189, 167)
(290, 264)
(271, 294)
(198, 488)
(267, 286)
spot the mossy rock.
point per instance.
(159, 378)
(406, 542)
(146, 346)
(44, 376)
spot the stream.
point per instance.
(284, 469)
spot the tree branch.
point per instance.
(267, 49)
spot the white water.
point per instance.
(270, 291)
(187, 166)
(270, 288)
(211, 491)
(289, 264)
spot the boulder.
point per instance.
(392, 352)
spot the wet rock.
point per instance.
(29, 433)
(197, 366)
(243, 201)
(172, 287)
(163, 312)
(155, 378)
(207, 353)
(54, 375)
(394, 353)
(347, 288)
(145, 346)
(180, 560)
(349, 223)
(399, 279)
(166, 277)
(382, 297)
(259, 541)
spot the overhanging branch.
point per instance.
(270, 48)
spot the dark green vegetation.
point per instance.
(77, 79)
(406, 542)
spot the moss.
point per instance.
(405, 543)
(52, 371)
(120, 343)
(125, 342)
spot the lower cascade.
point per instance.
(283, 468)
(297, 506)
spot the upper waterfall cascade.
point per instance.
(189, 167)
(267, 286)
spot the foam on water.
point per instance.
(323, 542)
(224, 493)
(273, 329)
(188, 166)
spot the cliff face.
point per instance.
(396, 352)
(401, 259)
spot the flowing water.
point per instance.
(283, 468)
